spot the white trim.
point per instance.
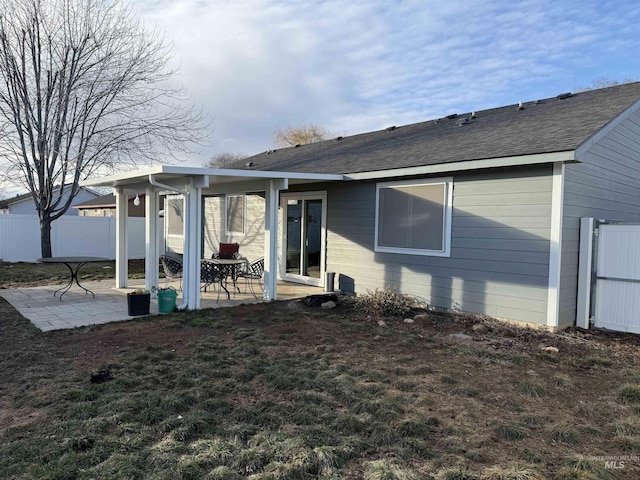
(585, 267)
(555, 245)
(446, 220)
(169, 171)
(226, 214)
(567, 156)
(316, 195)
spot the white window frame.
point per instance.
(446, 227)
(226, 213)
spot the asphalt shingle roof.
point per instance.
(545, 126)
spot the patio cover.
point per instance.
(190, 182)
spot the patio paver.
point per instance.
(78, 309)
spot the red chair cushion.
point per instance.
(228, 250)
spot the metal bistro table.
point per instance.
(230, 267)
(69, 262)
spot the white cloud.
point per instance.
(259, 65)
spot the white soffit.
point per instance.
(217, 176)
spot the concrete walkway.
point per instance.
(79, 309)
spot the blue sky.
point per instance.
(259, 65)
(354, 66)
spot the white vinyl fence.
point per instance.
(70, 236)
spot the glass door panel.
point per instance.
(294, 236)
(313, 238)
(303, 238)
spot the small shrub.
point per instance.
(386, 470)
(513, 471)
(423, 370)
(562, 433)
(448, 380)
(457, 473)
(511, 431)
(629, 427)
(629, 393)
(585, 467)
(384, 303)
(420, 427)
(532, 389)
(627, 444)
(562, 380)
(535, 420)
(475, 456)
(467, 392)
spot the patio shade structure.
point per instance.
(191, 182)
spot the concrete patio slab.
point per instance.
(80, 309)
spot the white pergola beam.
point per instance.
(151, 240)
(122, 259)
(192, 247)
(272, 193)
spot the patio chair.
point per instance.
(253, 271)
(211, 274)
(172, 269)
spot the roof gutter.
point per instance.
(566, 156)
(164, 186)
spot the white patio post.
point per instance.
(272, 194)
(151, 240)
(192, 243)
(122, 214)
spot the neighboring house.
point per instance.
(23, 204)
(478, 212)
(105, 206)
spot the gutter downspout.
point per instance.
(164, 186)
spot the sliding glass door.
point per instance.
(303, 237)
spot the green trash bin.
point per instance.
(167, 300)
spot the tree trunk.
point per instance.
(45, 237)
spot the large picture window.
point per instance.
(414, 217)
(235, 213)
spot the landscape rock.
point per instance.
(328, 305)
(421, 317)
(550, 349)
(382, 323)
(480, 328)
(461, 337)
(409, 320)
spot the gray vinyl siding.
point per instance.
(214, 229)
(606, 185)
(499, 263)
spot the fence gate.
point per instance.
(614, 284)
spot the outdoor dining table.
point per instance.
(70, 262)
(228, 267)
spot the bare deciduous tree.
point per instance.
(223, 160)
(292, 136)
(83, 88)
(603, 82)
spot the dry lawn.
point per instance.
(284, 391)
